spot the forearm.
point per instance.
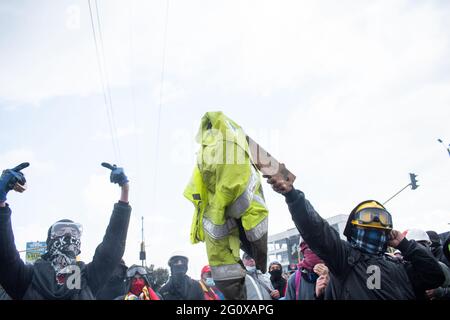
(317, 233)
(108, 254)
(124, 192)
(8, 250)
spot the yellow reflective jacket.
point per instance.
(225, 185)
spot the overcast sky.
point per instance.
(351, 95)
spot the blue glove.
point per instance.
(117, 174)
(10, 177)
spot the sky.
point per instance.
(351, 95)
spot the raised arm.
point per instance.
(317, 233)
(15, 276)
(108, 254)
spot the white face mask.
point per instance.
(250, 269)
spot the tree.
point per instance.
(160, 275)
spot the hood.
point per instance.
(229, 129)
(434, 238)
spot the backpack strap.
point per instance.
(298, 277)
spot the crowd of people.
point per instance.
(375, 262)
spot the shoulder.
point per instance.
(291, 279)
(195, 283)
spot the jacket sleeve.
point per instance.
(108, 254)
(317, 233)
(15, 276)
(423, 269)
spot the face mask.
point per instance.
(62, 252)
(371, 241)
(276, 274)
(309, 259)
(137, 285)
(210, 282)
(251, 269)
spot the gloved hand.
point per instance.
(12, 179)
(117, 174)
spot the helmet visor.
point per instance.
(60, 229)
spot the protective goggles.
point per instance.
(131, 272)
(178, 260)
(60, 229)
(373, 217)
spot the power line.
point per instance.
(104, 80)
(161, 92)
(108, 87)
(133, 94)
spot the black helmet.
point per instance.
(178, 257)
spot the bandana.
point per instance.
(62, 252)
(310, 259)
(368, 240)
(137, 285)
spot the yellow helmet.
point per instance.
(369, 214)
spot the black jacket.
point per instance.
(116, 285)
(38, 281)
(351, 270)
(279, 285)
(184, 289)
(438, 253)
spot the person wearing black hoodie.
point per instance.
(278, 282)
(436, 248)
(180, 286)
(359, 269)
(58, 275)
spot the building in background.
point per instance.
(283, 246)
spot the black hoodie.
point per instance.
(182, 288)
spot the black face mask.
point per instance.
(276, 274)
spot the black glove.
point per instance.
(117, 174)
(10, 177)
